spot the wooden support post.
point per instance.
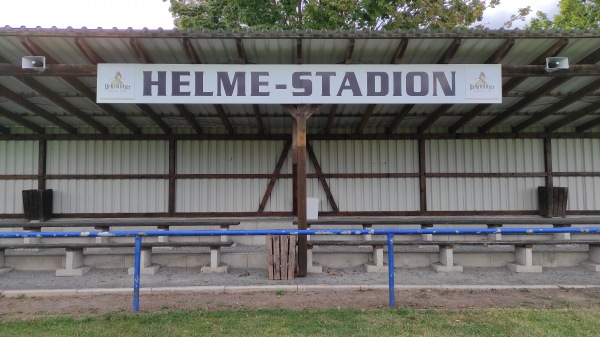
(300, 113)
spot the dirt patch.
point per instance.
(82, 306)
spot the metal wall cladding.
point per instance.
(109, 196)
(107, 157)
(18, 157)
(11, 197)
(485, 156)
(223, 195)
(482, 194)
(578, 155)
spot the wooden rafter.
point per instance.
(399, 117)
(155, 118)
(16, 98)
(21, 121)
(190, 52)
(594, 107)
(588, 125)
(399, 53)
(88, 51)
(189, 117)
(239, 44)
(365, 118)
(570, 99)
(223, 117)
(433, 117)
(61, 102)
(450, 51)
(255, 108)
(319, 171)
(526, 100)
(91, 95)
(139, 51)
(275, 175)
(331, 118)
(349, 51)
(299, 58)
(499, 53)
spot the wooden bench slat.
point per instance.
(114, 245)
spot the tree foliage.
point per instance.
(328, 14)
(574, 14)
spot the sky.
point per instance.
(153, 14)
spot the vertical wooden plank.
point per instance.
(172, 169)
(276, 258)
(292, 257)
(422, 177)
(270, 256)
(284, 256)
(42, 155)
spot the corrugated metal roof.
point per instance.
(88, 46)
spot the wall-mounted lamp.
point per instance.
(34, 62)
(556, 63)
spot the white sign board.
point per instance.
(299, 84)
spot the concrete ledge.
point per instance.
(315, 269)
(440, 268)
(4, 270)
(372, 268)
(519, 268)
(222, 268)
(192, 289)
(149, 270)
(73, 272)
(590, 265)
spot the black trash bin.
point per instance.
(553, 201)
(37, 204)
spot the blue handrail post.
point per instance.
(390, 244)
(136, 274)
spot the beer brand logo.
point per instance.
(480, 85)
(117, 84)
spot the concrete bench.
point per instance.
(74, 255)
(105, 225)
(523, 253)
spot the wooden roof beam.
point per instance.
(61, 102)
(365, 118)
(526, 100)
(190, 52)
(349, 51)
(88, 51)
(139, 51)
(299, 58)
(450, 51)
(13, 96)
(501, 51)
(400, 50)
(241, 50)
(259, 122)
(155, 118)
(21, 121)
(399, 117)
(331, 118)
(189, 117)
(568, 100)
(588, 125)
(433, 117)
(107, 108)
(224, 119)
(594, 107)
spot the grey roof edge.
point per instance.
(294, 33)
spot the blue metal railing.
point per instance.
(390, 233)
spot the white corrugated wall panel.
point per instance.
(11, 198)
(368, 194)
(584, 192)
(18, 157)
(576, 155)
(107, 157)
(362, 156)
(109, 196)
(484, 156)
(228, 157)
(482, 194)
(220, 195)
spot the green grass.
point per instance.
(332, 322)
